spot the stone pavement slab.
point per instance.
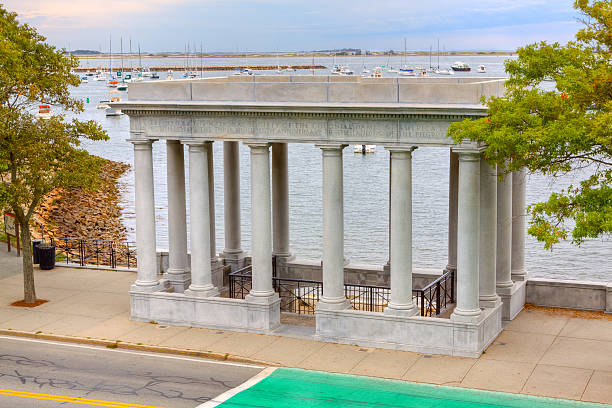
(288, 351)
(151, 334)
(336, 358)
(580, 353)
(242, 344)
(538, 321)
(588, 329)
(195, 339)
(559, 382)
(507, 376)
(112, 329)
(599, 388)
(386, 364)
(518, 346)
(436, 369)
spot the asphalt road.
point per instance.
(35, 373)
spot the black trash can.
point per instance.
(35, 244)
(46, 256)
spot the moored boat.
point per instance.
(44, 112)
(481, 69)
(460, 66)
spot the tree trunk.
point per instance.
(29, 290)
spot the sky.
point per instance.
(287, 25)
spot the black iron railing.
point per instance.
(366, 297)
(436, 296)
(301, 296)
(83, 251)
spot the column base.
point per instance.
(504, 288)
(262, 298)
(202, 291)
(232, 254)
(333, 304)
(179, 279)
(514, 301)
(401, 310)
(161, 285)
(519, 276)
(489, 301)
(467, 316)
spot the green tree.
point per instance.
(37, 155)
(556, 118)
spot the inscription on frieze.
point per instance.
(219, 127)
(362, 130)
(168, 126)
(297, 129)
(424, 132)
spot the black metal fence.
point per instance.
(436, 296)
(301, 296)
(83, 251)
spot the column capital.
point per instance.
(194, 142)
(330, 146)
(401, 149)
(142, 144)
(468, 149)
(258, 145)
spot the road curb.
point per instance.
(139, 347)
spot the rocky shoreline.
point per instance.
(78, 213)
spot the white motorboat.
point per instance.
(84, 80)
(99, 77)
(481, 69)
(123, 87)
(443, 72)
(460, 66)
(364, 149)
(103, 105)
(114, 97)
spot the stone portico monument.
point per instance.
(486, 216)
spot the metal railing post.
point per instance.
(438, 298)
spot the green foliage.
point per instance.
(37, 155)
(556, 118)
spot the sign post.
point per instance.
(11, 228)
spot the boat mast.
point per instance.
(201, 59)
(430, 67)
(121, 52)
(130, 54)
(110, 55)
(139, 59)
(438, 53)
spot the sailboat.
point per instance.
(404, 70)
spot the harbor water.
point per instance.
(366, 182)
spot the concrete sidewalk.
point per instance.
(547, 352)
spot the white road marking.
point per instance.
(136, 353)
(245, 385)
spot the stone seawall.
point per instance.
(83, 214)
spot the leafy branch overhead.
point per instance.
(556, 118)
(36, 155)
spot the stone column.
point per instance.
(280, 200)
(401, 302)
(261, 236)
(231, 182)
(145, 216)
(504, 234)
(333, 229)
(199, 215)
(488, 231)
(177, 273)
(453, 184)
(211, 201)
(468, 225)
(518, 226)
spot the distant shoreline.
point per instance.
(302, 55)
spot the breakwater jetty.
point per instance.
(206, 68)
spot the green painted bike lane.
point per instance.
(289, 387)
